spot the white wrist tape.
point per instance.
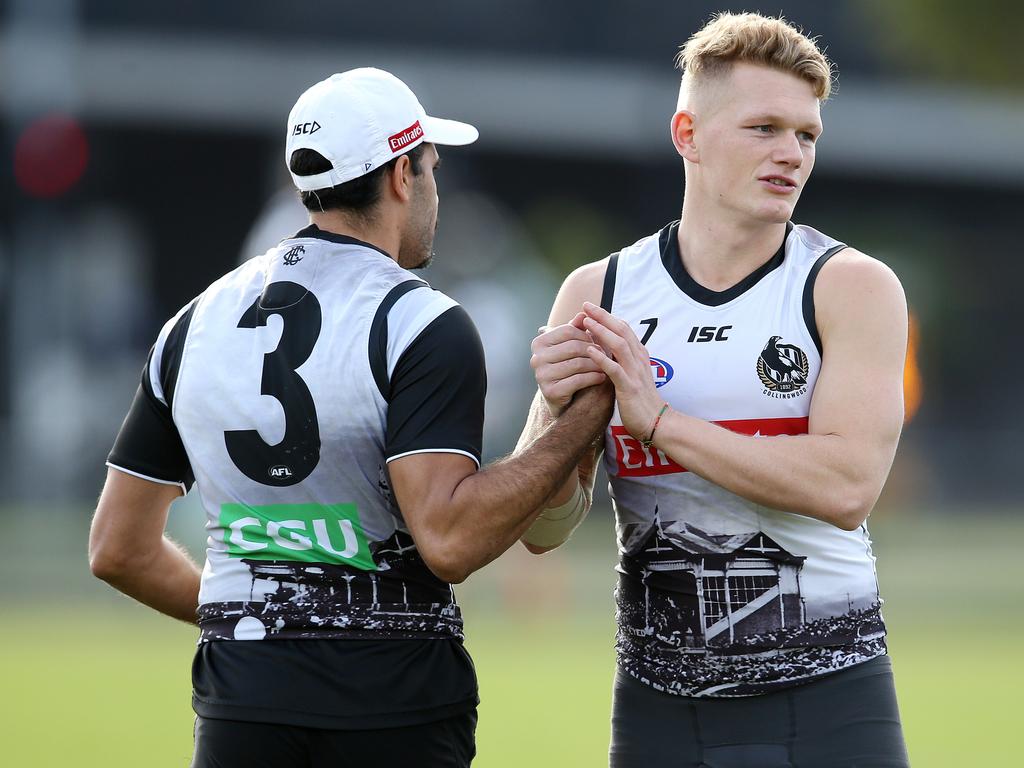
(554, 526)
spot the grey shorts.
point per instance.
(845, 720)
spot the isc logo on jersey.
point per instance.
(311, 533)
(662, 372)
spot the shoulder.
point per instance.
(584, 283)
(853, 287)
(853, 274)
(587, 279)
(422, 319)
(412, 305)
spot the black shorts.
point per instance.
(449, 743)
(844, 720)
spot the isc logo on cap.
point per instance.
(301, 128)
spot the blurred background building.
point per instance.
(144, 149)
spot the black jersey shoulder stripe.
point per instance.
(378, 343)
(808, 297)
(174, 347)
(608, 291)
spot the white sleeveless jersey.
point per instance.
(718, 595)
(280, 405)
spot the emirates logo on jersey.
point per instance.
(783, 369)
(634, 459)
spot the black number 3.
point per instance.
(296, 456)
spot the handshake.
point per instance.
(592, 349)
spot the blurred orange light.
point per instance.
(913, 386)
(50, 156)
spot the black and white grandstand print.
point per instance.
(726, 614)
(293, 599)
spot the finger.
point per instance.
(611, 369)
(558, 353)
(577, 322)
(553, 372)
(567, 387)
(559, 334)
(614, 324)
(609, 339)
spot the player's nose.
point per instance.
(788, 150)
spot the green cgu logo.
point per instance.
(311, 533)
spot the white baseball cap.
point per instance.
(360, 120)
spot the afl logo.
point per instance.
(782, 368)
(280, 472)
(662, 372)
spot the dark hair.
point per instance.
(357, 196)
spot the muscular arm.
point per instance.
(834, 473)
(129, 551)
(462, 519)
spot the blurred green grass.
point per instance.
(91, 679)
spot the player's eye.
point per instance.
(764, 128)
(808, 137)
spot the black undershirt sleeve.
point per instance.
(148, 443)
(437, 390)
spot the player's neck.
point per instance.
(718, 253)
(379, 232)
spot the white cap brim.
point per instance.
(452, 133)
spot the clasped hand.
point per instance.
(592, 347)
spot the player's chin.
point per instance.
(776, 211)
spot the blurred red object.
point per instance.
(50, 157)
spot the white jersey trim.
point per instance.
(141, 476)
(436, 450)
(409, 316)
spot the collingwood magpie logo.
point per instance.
(783, 369)
(294, 255)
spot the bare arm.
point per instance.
(462, 519)
(129, 551)
(562, 368)
(836, 472)
(583, 478)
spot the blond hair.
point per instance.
(755, 39)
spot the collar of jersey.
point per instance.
(333, 237)
(668, 244)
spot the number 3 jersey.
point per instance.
(284, 389)
(718, 595)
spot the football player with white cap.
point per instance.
(328, 406)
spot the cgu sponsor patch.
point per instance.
(636, 460)
(311, 533)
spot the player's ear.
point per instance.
(400, 179)
(683, 128)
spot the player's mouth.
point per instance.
(780, 185)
